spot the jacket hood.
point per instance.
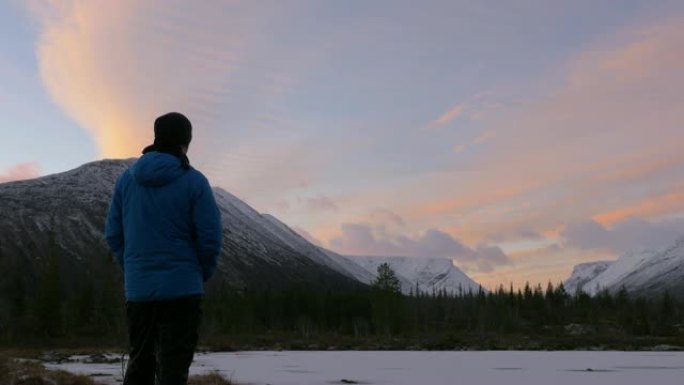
(156, 169)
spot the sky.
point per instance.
(516, 138)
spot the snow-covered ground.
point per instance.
(428, 368)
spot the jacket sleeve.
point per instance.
(114, 233)
(207, 221)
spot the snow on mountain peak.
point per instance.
(645, 272)
(75, 203)
(584, 273)
(425, 274)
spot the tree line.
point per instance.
(52, 304)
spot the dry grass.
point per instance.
(209, 379)
(23, 372)
(15, 372)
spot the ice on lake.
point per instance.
(426, 368)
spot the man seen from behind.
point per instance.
(165, 230)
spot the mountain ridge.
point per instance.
(67, 211)
(644, 273)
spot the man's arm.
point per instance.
(114, 227)
(207, 221)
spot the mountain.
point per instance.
(424, 274)
(323, 256)
(584, 273)
(65, 213)
(647, 272)
(663, 271)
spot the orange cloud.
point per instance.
(114, 66)
(81, 65)
(27, 170)
(652, 207)
(635, 167)
(448, 116)
(468, 202)
(485, 136)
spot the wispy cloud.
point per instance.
(448, 116)
(626, 235)
(597, 136)
(652, 206)
(485, 136)
(114, 66)
(319, 203)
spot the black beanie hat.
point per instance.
(172, 129)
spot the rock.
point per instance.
(667, 348)
(99, 358)
(579, 329)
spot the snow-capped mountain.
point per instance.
(664, 271)
(423, 274)
(647, 272)
(66, 212)
(326, 257)
(584, 273)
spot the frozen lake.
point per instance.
(427, 368)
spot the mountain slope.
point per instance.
(65, 213)
(646, 272)
(323, 256)
(424, 274)
(663, 271)
(583, 274)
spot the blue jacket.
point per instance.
(164, 228)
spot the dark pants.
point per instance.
(162, 336)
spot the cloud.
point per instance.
(448, 116)
(307, 235)
(467, 201)
(319, 203)
(484, 137)
(602, 142)
(114, 66)
(281, 206)
(516, 234)
(649, 207)
(631, 234)
(363, 239)
(27, 170)
(386, 218)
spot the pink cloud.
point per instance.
(319, 203)
(448, 116)
(386, 218)
(653, 206)
(484, 137)
(307, 235)
(364, 239)
(605, 143)
(27, 170)
(627, 235)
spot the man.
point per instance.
(164, 228)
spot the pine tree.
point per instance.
(47, 303)
(387, 280)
